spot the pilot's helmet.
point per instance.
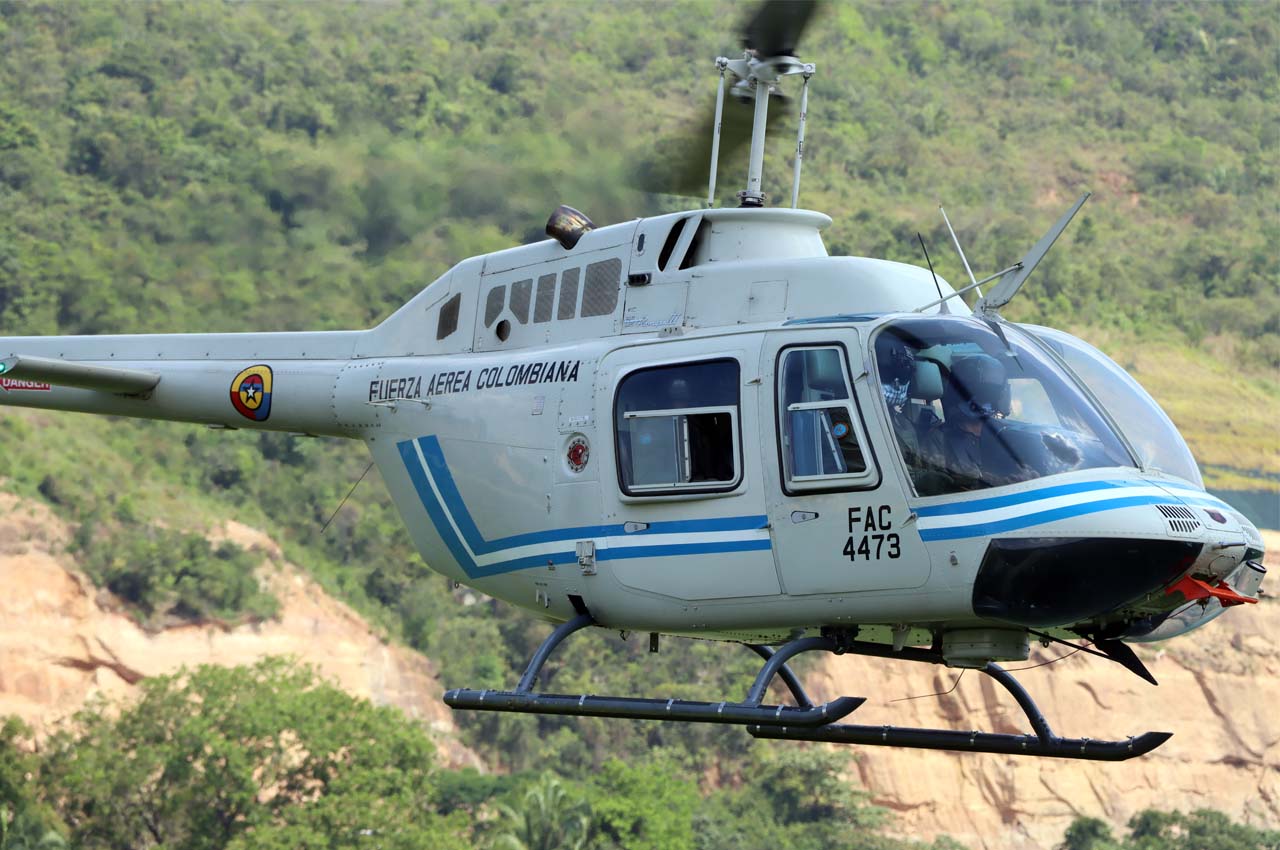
(979, 386)
(897, 360)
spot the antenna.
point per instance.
(1006, 289)
(956, 239)
(943, 302)
(1013, 268)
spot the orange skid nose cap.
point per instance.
(1194, 588)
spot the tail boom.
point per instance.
(279, 382)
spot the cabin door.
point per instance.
(684, 513)
(837, 523)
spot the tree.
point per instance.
(1203, 829)
(1088, 834)
(263, 756)
(644, 805)
(25, 823)
(548, 817)
(795, 798)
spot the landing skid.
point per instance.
(748, 712)
(805, 721)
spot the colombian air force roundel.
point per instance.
(251, 393)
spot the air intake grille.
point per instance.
(600, 294)
(1180, 518)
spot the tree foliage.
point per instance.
(263, 756)
(25, 822)
(1203, 829)
(550, 816)
(164, 574)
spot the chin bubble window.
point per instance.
(819, 429)
(677, 429)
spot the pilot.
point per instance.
(974, 395)
(897, 363)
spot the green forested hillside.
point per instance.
(242, 166)
(284, 165)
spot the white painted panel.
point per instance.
(712, 577)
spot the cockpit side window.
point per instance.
(677, 429)
(822, 443)
(972, 409)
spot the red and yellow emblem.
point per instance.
(251, 393)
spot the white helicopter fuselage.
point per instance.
(508, 407)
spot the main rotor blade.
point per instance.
(679, 166)
(777, 26)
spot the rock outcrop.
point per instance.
(1219, 691)
(61, 642)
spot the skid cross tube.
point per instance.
(786, 674)
(548, 646)
(750, 712)
(778, 661)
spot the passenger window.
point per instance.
(544, 299)
(520, 292)
(819, 428)
(677, 429)
(448, 322)
(493, 304)
(568, 306)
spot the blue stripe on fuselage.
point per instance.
(983, 529)
(976, 505)
(454, 506)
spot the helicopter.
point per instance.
(701, 424)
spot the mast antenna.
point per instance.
(972, 280)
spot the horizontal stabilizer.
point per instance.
(67, 373)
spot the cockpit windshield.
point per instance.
(1149, 431)
(971, 410)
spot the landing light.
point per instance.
(567, 226)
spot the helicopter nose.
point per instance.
(1045, 582)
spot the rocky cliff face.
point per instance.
(1219, 694)
(61, 643)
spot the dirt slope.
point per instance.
(1219, 691)
(60, 642)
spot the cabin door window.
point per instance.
(822, 442)
(677, 429)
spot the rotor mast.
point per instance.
(758, 78)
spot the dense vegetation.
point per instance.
(270, 757)
(1152, 830)
(284, 166)
(164, 575)
(219, 167)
